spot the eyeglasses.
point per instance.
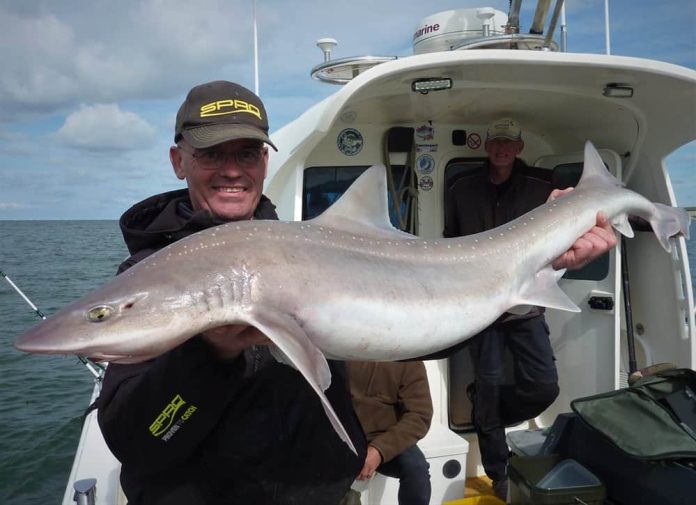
(213, 159)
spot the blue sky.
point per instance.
(89, 89)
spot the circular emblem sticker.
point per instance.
(349, 141)
(425, 164)
(425, 183)
(474, 141)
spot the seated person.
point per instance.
(392, 401)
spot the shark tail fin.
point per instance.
(543, 290)
(668, 221)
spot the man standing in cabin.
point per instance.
(500, 191)
(217, 419)
(392, 401)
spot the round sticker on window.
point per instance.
(350, 141)
(425, 183)
(425, 164)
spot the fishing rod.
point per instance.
(96, 369)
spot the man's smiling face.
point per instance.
(502, 151)
(230, 192)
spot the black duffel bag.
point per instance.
(640, 440)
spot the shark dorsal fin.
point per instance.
(594, 169)
(363, 205)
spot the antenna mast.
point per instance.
(564, 30)
(607, 42)
(256, 56)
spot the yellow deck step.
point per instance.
(477, 491)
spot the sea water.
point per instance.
(43, 398)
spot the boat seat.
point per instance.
(566, 169)
(446, 453)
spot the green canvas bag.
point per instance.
(654, 419)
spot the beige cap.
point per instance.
(506, 128)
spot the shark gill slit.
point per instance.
(230, 293)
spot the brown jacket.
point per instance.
(392, 401)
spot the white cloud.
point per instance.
(105, 127)
(33, 70)
(201, 32)
(56, 57)
(12, 206)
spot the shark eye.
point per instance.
(99, 313)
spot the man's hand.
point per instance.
(589, 247)
(372, 461)
(229, 341)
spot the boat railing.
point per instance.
(692, 213)
(509, 41)
(343, 70)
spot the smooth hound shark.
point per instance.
(346, 284)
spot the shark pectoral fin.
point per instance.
(543, 290)
(298, 351)
(668, 221)
(621, 224)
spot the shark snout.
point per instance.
(43, 339)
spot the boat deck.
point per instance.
(478, 486)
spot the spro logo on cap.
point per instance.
(224, 107)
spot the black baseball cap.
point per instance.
(219, 111)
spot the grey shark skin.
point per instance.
(344, 285)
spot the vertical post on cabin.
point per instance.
(630, 340)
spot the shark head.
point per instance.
(125, 320)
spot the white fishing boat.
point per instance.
(424, 116)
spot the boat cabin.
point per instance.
(425, 118)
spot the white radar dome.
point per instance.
(448, 29)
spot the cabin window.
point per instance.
(322, 186)
(459, 167)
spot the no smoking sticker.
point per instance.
(474, 141)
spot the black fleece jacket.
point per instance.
(190, 429)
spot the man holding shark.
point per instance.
(213, 418)
(217, 419)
